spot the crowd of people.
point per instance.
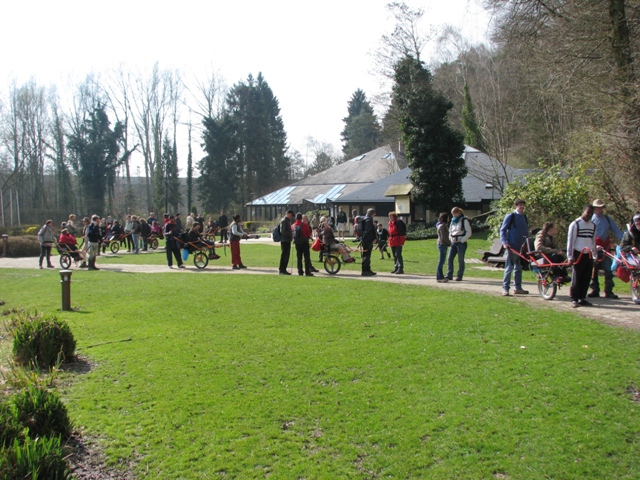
(588, 237)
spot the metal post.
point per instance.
(5, 241)
(65, 280)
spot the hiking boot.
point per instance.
(242, 266)
(594, 294)
(280, 273)
(395, 271)
(611, 295)
(520, 291)
(400, 272)
(584, 303)
(181, 266)
(308, 274)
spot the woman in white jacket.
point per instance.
(459, 233)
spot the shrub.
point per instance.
(26, 246)
(42, 340)
(42, 412)
(10, 428)
(39, 458)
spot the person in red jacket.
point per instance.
(397, 231)
(301, 236)
(68, 242)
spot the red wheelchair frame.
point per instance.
(634, 271)
(542, 267)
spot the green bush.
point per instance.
(42, 412)
(10, 428)
(35, 459)
(42, 340)
(25, 246)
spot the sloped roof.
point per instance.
(336, 182)
(484, 172)
(375, 193)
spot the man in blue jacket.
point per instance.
(605, 225)
(513, 233)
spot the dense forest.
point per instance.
(555, 88)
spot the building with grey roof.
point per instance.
(318, 191)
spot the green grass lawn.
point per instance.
(236, 376)
(420, 257)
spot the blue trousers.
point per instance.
(457, 249)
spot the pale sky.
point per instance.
(313, 55)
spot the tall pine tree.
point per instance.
(433, 149)
(246, 147)
(472, 133)
(361, 132)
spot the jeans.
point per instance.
(442, 251)
(45, 251)
(458, 249)
(513, 265)
(397, 257)
(134, 239)
(605, 265)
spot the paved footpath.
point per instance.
(622, 313)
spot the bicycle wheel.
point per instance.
(153, 243)
(547, 289)
(635, 287)
(200, 260)
(65, 261)
(114, 246)
(332, 264)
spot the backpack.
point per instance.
(297, 235)
(358, 226)
(276, 234)
(401, 227)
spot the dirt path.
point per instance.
(623, 312)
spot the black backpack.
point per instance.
(401, 227)
(298, 238)
(276, 235)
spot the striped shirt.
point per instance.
(582, 234)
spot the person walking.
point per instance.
(46, 238)
(301, 237)
(581, 250)
(235, 235)
(368, 237)
(382, 237)
(513, 233)
(94, 236)
(605, 225)
(171, 244)
(285, 242)
(397, 236)
(442, 227)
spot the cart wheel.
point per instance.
(547, 289)
(635, 288)
(114, 246)
(200, 260)
(65, 261)
(332, 264)
(154, 244)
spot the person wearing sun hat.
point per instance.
(605, 225)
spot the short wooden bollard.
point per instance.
(65, 280)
